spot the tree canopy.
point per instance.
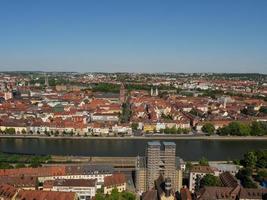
(208, 128)
(254, 128)
(115, 195)
(210, 180)
(203, 161)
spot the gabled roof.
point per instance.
(115, 179)
(44, 195)
(7, 191)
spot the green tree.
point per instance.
(35, 162)
(115, 195)
(127, 196)
(5, 166)
(250, 159)
(263, 109)
(134, 126)
(261, 158)
(106, 87)
(185, 130)
(247, 182)
(203, 161)
(208, 128)
(256, 129)
(244, 172)
(244, 129)
(10, 131)
(20, 165)
(261, 175)
(235, 128)
(188, 166)
(210, 180)
(57, 133)
(46, 133)
(244, 175)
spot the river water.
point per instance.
(187, 149)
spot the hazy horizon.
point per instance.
(134, 36)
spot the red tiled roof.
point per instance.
(115, 179)
(202, 169)
(44, 195)
(185, 194)
(19, 181)
(7, 191)
(40, 171)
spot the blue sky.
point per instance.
(134, 36)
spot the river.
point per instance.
(188, 149)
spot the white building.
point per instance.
(88, 172)
(104, 117)
(122, 129)
(224, 167)
(197, 173)
(84, 188)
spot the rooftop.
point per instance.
(7, 191)
(115, 179)
(202, 169)
(44, 195)
(75, 182)
(153, 143)
(90, 169)
(169, 144)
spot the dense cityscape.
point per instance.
(62, 105)
(98, 104)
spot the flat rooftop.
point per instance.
(153, 143)
(169, 144)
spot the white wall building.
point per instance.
(84, 188)
(197, 173)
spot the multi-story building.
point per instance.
(140, 179)
(8, 192)
(84, 188)
(159, 160)
(21, 182)
(197, 173)
(117, 181)
(153, 163)
(97, 172)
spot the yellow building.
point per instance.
(116, 181)
(149, 128)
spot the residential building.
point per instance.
(225, 167)
(252, 194)
(63, 172)
(84, 188)
(197, 173)
(8, 192)
(117, 181)
(22, 181)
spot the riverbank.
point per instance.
(154, 137)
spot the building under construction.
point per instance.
(160, 160)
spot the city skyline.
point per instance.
(135, 36)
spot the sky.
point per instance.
(134, 35)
